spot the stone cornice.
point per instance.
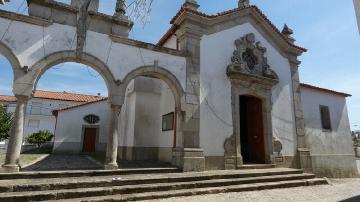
(24, 18)
(148, 46)
(267, 83)
(215, 23)
(112, 19)
(54, 4)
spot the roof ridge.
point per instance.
(70, 93)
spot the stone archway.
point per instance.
(160, 73)
(176, 90)
(18, 72)
(40, 67)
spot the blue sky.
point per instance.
(327, 28)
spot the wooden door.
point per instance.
(255, 128)
(89, 140)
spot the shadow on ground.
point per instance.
(352, 199)
(55, 162)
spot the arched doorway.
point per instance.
(68, 94)
(252, 129)
(7, 101)
(151, 118)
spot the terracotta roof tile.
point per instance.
(324, 90)
(64, 96)
(55, 112)
(6, 98)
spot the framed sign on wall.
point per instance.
(168, 122)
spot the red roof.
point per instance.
(195, 12)
(6, 98)
(55, 112)
(64, 96)
(324, 90)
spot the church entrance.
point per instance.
(89, 143)
(252, 130)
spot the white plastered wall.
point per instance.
(31, 43)
(70, 123)
(216, 112)
(332, 151)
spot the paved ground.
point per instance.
(64, 162)
(347, 190)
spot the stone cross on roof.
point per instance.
(244, 3)
(192, 4)
(120, 8)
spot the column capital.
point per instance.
(22, 98)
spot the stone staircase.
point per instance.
(129, 185)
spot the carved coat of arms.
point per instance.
(249, 58)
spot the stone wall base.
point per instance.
(305, 161)
(145, 154)
(285, 161)
(189, 159)
(10, 169)
(335, 166)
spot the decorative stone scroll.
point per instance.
(249, 58)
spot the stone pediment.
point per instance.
(249, 61)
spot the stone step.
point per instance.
(200, 191)
(143, 188)
(81, 173)
(107, 181)
(256, 166)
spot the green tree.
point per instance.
(5, 123)
(40, 138)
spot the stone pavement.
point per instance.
(345, 190)
(64, 162)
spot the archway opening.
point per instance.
(252, 130)
(7, 101)
(148, 124)
(69, 101)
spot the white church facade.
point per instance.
(217, 91)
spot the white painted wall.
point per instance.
(45, 117)
(332, 151)
(26, 41)
(216, 112)
(171, 42)
(70, 124)
(338, 141)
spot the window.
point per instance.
(34, 123)
(325, 117)
(36, 108)
(168, 122)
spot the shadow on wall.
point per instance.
(336, 116)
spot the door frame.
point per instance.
(260, 105)
(97, 127)
(262, 92)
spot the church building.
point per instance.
(216, 92)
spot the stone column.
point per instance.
(302, 149)
(16, 137)
(191, 155)
(112, 143)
